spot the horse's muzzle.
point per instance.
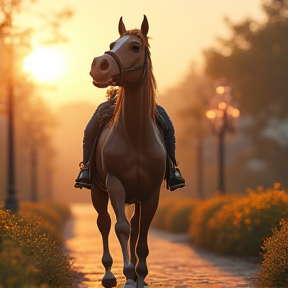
(100, 84)
(102, 70)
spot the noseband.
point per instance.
(119, 76)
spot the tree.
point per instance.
(255, 59)
(15, 85)
(195, 113)
(38, 124)
(186, 104)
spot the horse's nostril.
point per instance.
(104, 65)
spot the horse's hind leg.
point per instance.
(147, 212)
(100, 203)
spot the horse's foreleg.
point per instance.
(100, 202)
(134, 233)
(147, 212)
(122, 226)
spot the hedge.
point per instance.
(204, 211)
(177, 217)
(274, 268)
(239, 227)
(31, 249)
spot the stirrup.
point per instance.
(176, 181)
(82, 185)
(83, 180)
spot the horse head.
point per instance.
(126, 61)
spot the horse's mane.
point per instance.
(106, 110)
(151, 81)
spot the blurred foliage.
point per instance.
(255, 59)
(187, 103)
(239, 226)
(274, 268)
(42, 211)
(177, 217)
(62, 210)
(204, 211)
(34, 122)
(162, 211)
(226, 224)
(173, 214)
(52, 216)
(17, 268)
(30, 254)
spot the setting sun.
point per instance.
(45, 64)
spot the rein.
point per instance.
(123, 70)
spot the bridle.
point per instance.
(119, 77)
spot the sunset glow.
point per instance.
(45, 64)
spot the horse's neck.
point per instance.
(134, 115)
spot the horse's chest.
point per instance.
(131, 157)
(135, 164)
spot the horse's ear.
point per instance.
(121, 27)
(145, 26)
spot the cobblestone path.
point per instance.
(173, 262)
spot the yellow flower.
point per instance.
(277, 186)
(235, 222)
(238, 215)
(247, 221)
(260, 189)
(247, 210)
(257, 221)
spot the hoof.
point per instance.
(129, 272)
(130, 284)
(141, 283)
(109, 280)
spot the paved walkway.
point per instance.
(173, 262)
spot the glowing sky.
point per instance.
(44, 64)
(180, 30)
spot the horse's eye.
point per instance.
(135, 48)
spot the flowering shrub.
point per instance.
(30, 254)
(239, 228)
(274, 269)
(201, 215)
(62, 210)
(41, 211)
(162, 210)
(177, 217)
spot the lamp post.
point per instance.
(222, 113)
(11, 201)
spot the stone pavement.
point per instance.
(173, 262)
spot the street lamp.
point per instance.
(222, 114)
(11, 201)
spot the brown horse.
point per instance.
(130, 153)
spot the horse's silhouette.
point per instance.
(130, 152)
